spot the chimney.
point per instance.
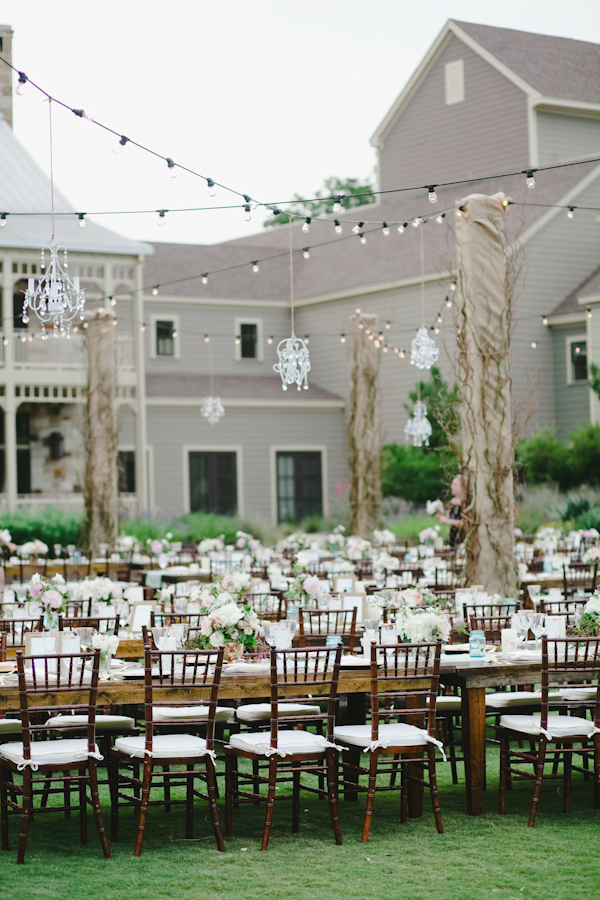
(6, 75)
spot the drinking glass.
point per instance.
(371, 629)
(520, 622)
(534, 594)
(283, 637)
(269, 629)
(379, 576)
(159, 636)
(180, 633)
(323, 601)
(180, 605)
(536, 623)
(85, 637)
(388, 634)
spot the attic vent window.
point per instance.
(455, 82)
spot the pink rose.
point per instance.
(312, 585)
(240, 543)
(36, 591)
(156, 547)
(52, 599)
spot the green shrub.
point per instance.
(543, 460)
(414, 473)
(48, 524)
(584, 455)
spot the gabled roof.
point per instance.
(574, 302)
(25, 188)
(540, 65)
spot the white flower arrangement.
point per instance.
(383, 560)
(422, 625)
(357, 547)
(384, 537)
(429, 535)
(52, 593)
(127, 542)
(212, 545)
(237, 583)
(224, 621)
(99, 589)
(336, 540)
(591, 555)
(164, 594)
(106, 642)
(33, 548)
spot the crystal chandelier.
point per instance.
(423, 352)
(419, 427)
(56, 300)
(292, 352)
(294, 362)
(212, 409)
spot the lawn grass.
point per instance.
(475, 858)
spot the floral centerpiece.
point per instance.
(587, 621)
(159, 545)
(303, 588)
(428, 535)
(422, 625)
(591, 555)
(52, 593)
(127, 542)
(357, 547)
(107, 643)
(225, 623)
(237, 583)
(547, 538)
(99, 590)
(336, 540)
(211, 545)
(383, 538)
(33, 548)
(293, 543)
(164, 594)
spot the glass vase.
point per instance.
(105, 664)
(51, 619)
(233, 650)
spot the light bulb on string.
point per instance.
(113, 301)
(155, 291)
(533, 345)
(161, 217)
(417, 221)
(118, 149)
(81, 217)
(204, 278)
(388, 325)
(357, 227)
(439, 319)
(174, 334)
(22, 83)
(401, 228)
(306, 226)
(270, 339)
(589, 313)
(385, 230)
(338, 228)
(255, 267)
(363, 238)
(206, 339)
(143, 326)
(337, 206)
(237, 340)
(530, 178)
(212, 191)
(3, 220)
(448, 302)
(432, 193)
(570, 212)
(248, 212)
(342, 339)
(401, 354)
(452, 285)
(306, 339)
(172, 168)
(306, 253)
(544, 320)
(439, 219)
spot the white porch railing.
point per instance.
(63, 353)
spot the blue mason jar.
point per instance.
(477, 644)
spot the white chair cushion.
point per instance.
(503, 699)
(260, 712)
(164, 746)
(394, 734)
(287, 742)
(73, 751)
(103, 723)
(447, 704)
(222, 714)
(582, 693)
(10, 726)
(558, 726)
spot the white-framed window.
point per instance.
(165, 336)
(577, 370)
(248, 338)
(454, 82)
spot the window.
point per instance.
(576, 360)
(299, 485)
(454, 77)
(126, 471)
(249, 341)
(165, 338)
(213, 482)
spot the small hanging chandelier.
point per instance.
(423, 352)
(419, 427)
(292, 352)
(212, 410)
(56, 300)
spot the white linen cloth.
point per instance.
(558, 726)
(392, 734)
(164, 746)
(222, 713)
(258, 712)
(49, 753)
(288, 742)
(103, 723)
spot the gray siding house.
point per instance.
(483, 101)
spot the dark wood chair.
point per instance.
(162, 620)
(269, 605)
(363, 568)
(3, 647)
(119, 569)
(491, 626)
(579, 577)
(16, 629)
(396, 729)
(77, 569)
(569, 608)
(316, 624)
(168, 676)
(48, 762)
(98, 623)
(570, 679)
(286, 750)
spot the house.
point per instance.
(483, 102)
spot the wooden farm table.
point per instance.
(473, 681)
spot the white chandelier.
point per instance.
(419, 427)
(294, 362)
(212, 409)
(56, 300)
(423, 352)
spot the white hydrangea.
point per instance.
(105, 642)
(593, 604)
(227, 615)
(217, 639)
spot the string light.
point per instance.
(432, 194)
(255, 266)
(81, 217)
(248, 212)
(342, 339)
(452, 285)
(401, 228)
(22, 83)
(448, 302)
(174, 334)
(237, 340)
(306, 226)
(401, 354)
(212, 191)
(357, 227)
(118, 149)
(306, 253)
(589, 313)
(417, 221)
(155, 291)
(544, 320)
(172, 168)
(385, 229)
(338, 228)
(206, 339)
(337, 206)
(143, 326)
(439, 318)
(530, 178)
(161, 217)
(570, 212)
(113, 302)
(270, 339)
(205, 278)
(306, 339)
(3, 220)
(388, 325)
(363, 238)
(533, 345)
(439, 219)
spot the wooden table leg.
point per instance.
(473, 724)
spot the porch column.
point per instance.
(141, 454)
(10, 452)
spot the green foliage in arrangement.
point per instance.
(418, 474)
(48, 524)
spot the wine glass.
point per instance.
(520, 622)
(536, 623)
(371, 630)
(534, 594)
(269, 629)
(85, 637)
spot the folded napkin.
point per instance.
(246, 668)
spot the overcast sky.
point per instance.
(268, 96)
